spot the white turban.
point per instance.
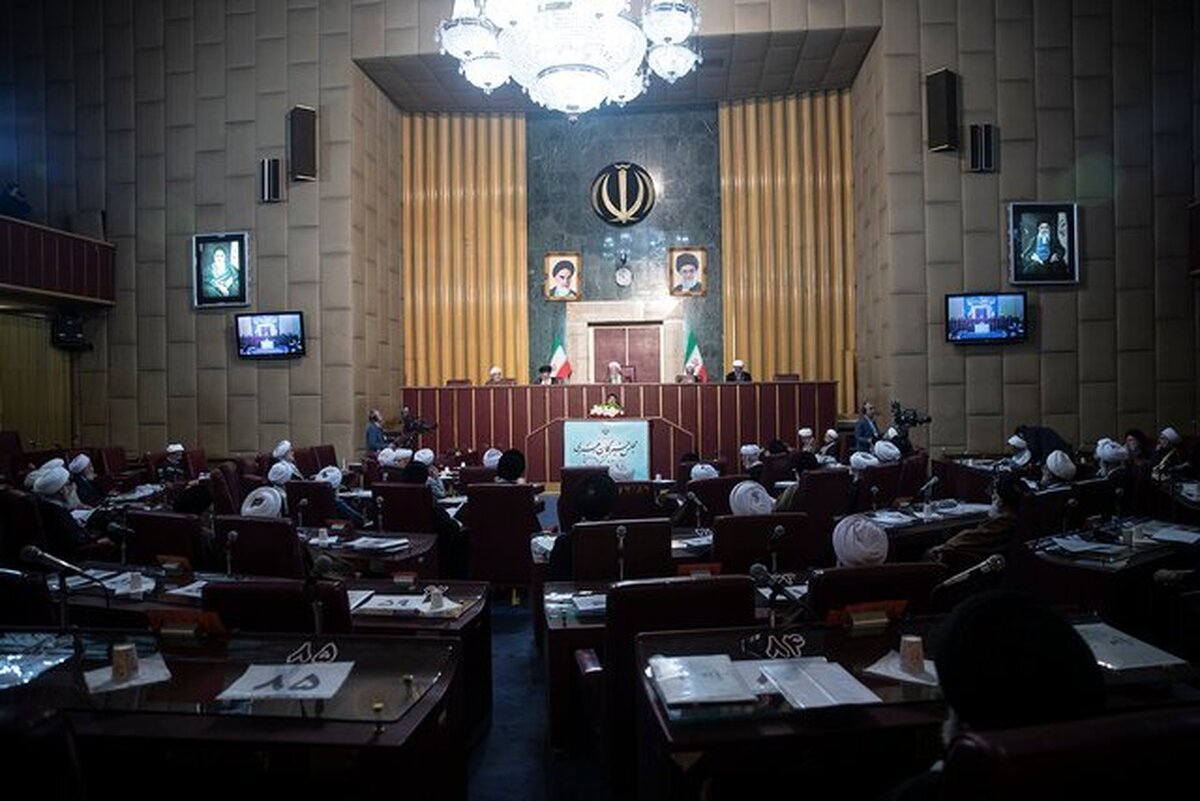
(861, 459)
(176, 447)
(80, 463)
(886, 451)
(263, 502)
(1022, 457)
(750, 451)
(280, 473)
(749, 498)
(1017, 442)
(703, 470)
(830, 435)
(51, 480)
(491, 457)
(31, 478)
(1171, 435)
(1060, 465)
(401, 457)
(892, 433)
(620, 471)
(424, 456)
(1111, 452)
(858, 542)
(281, 449)
(51, 464)
(385, 456)
(738, 363)
(331, 475)
(614, 365)
(495, 371)
(805, 433)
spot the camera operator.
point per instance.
(903, 420)
(412, 427)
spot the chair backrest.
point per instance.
(886, 477)
(740, 541)
(458, 382)
(570, 478)
(776, 467)
(262, 464)
(1095, 497)
(1044, 513)
(326, 456)
(284, 605)
(636, 499)
(1143, 754)
(165, 534)
(598, 551)
(112, 460)
(914, 470)
(834, 589)
(501, 519)
(25, 599)
(683, 473)
(319, 508)
(476, 474)
(306, 461)
(265, 546)
(665, 604)
(21, 523)
(371, 471)
(10, 443)
(787, 377)
(824, 495)
(714, 494)
(225, 495)
(196, 462)
(406, 507)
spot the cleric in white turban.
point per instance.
(886, 451)
(702, 470)
(750, 498)
(1059, 469)
(859, 542)
(491, 457)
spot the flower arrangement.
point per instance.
(607, 409)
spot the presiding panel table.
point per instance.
(707, 418)
(350, 715)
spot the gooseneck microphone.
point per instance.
(622, 531)
(230, 539)
(47, 561)
(992, 564)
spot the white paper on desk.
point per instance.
(1075, 544)
(358, 597)
(889, 519)
(703, 541)
(888, 666)
(705, 679)
(541, 546)
(354, 494)
(751, 672)
(963, 509)
(796, 592)
(75, 582)
(812, 685)
(316, 680)
(82, 515)
(123, 584)
(595, 604)
(193, 590)
(1116, 650)
(378, 543)
(1175, 534)
(151, 670)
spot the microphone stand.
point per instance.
(300, 512)
(621, 532)
(773, 543)
(230, 539)
(874, 497)
(378, 513)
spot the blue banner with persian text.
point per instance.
(624, 443)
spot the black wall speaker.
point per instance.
(269, 176)
(983, 148)
(302, 143)
(66, 331)
(941, 109)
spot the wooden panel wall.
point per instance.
(463, 245)
(787, 237)
(35, 382)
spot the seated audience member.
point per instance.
(491, 458)
(861, 460)
(1006, 660)
(859, 542)
(285, 454)
(620, 471)
(1042, 441)
(344, 511)
(495, 376)
(376, 439)
(993, 536)
(749, 454)
(595, 498)
(885, 451)
(83, 476)
(808, 440)
(544, 376)
(1169, 459)
(1138, 445)
(777, 446)
(64, 534)
(789, 500)
(510, 469)
(1021, 457)
(829, 449)
(426, 457)
(265, 502)
(702, 470)
(281, 473)
(1058, 470)
(1112, 459)
(451, 540)
(749, 498)
(172, 469)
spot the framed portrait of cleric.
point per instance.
(1043, 243)
(686, 274)
(220, 270)
(563, 278)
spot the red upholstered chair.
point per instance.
(406, 507)
(884, 476)
(902, 587)
(262, 464)
(1142, 754)
(714, 494)
(20, 524)
(572, 477)
(740, 541)
(116, 470)
(824, 495)
(326, 456)
(476, 474)
(637, 499)
(310, 503)
(265, 546)
(306, 460)
(598, 555)
(158, 534)
(371, 471)
(636, 607)
(1095, 497)
(283, 605)
(914, 472)
(226, 499)
(25, 600)
(195, 461)
(500, 519)
(777, 467)
(1044, 513)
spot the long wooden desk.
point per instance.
(721, 417)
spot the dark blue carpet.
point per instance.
(512, 762)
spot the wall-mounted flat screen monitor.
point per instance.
(270, 335)
(980, 318)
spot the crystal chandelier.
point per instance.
(571, 55)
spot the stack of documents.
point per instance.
(687, 680)
(808, 684)
(1116, 650)
(592, 605)
(378, 543)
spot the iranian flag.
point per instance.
(693, 359)
(560, 365)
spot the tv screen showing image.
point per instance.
(978, 318)
(271, 335)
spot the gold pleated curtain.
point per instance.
(35, 383)
(787, 237)
(463, 246)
